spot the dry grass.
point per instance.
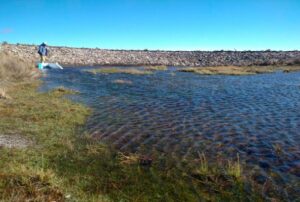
(128, 159)
(234, 70)
(115, 70)
(16, 69)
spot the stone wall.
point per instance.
(87, 57)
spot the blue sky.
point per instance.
(154, 24)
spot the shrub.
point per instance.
(297, 61)
(292, 62)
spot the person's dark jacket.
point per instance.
(43, 50)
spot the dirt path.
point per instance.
(14, 141)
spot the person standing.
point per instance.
(43, 51)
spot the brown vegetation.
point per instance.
(16, 69)
(235, 70)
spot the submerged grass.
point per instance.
(115, 70)
(236, 70)
(63, 164)
(156, 68)
(136, 71)
(122, 81)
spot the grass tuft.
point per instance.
(203, 168)
(234, 168)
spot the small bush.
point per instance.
(297, 61)
(293, 62)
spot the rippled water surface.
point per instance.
(257, 116)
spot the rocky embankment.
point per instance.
(88, 56)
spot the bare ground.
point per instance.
(14, 141)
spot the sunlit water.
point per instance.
(257, 117)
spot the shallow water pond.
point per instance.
(179, 113)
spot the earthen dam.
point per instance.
(94, 56)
